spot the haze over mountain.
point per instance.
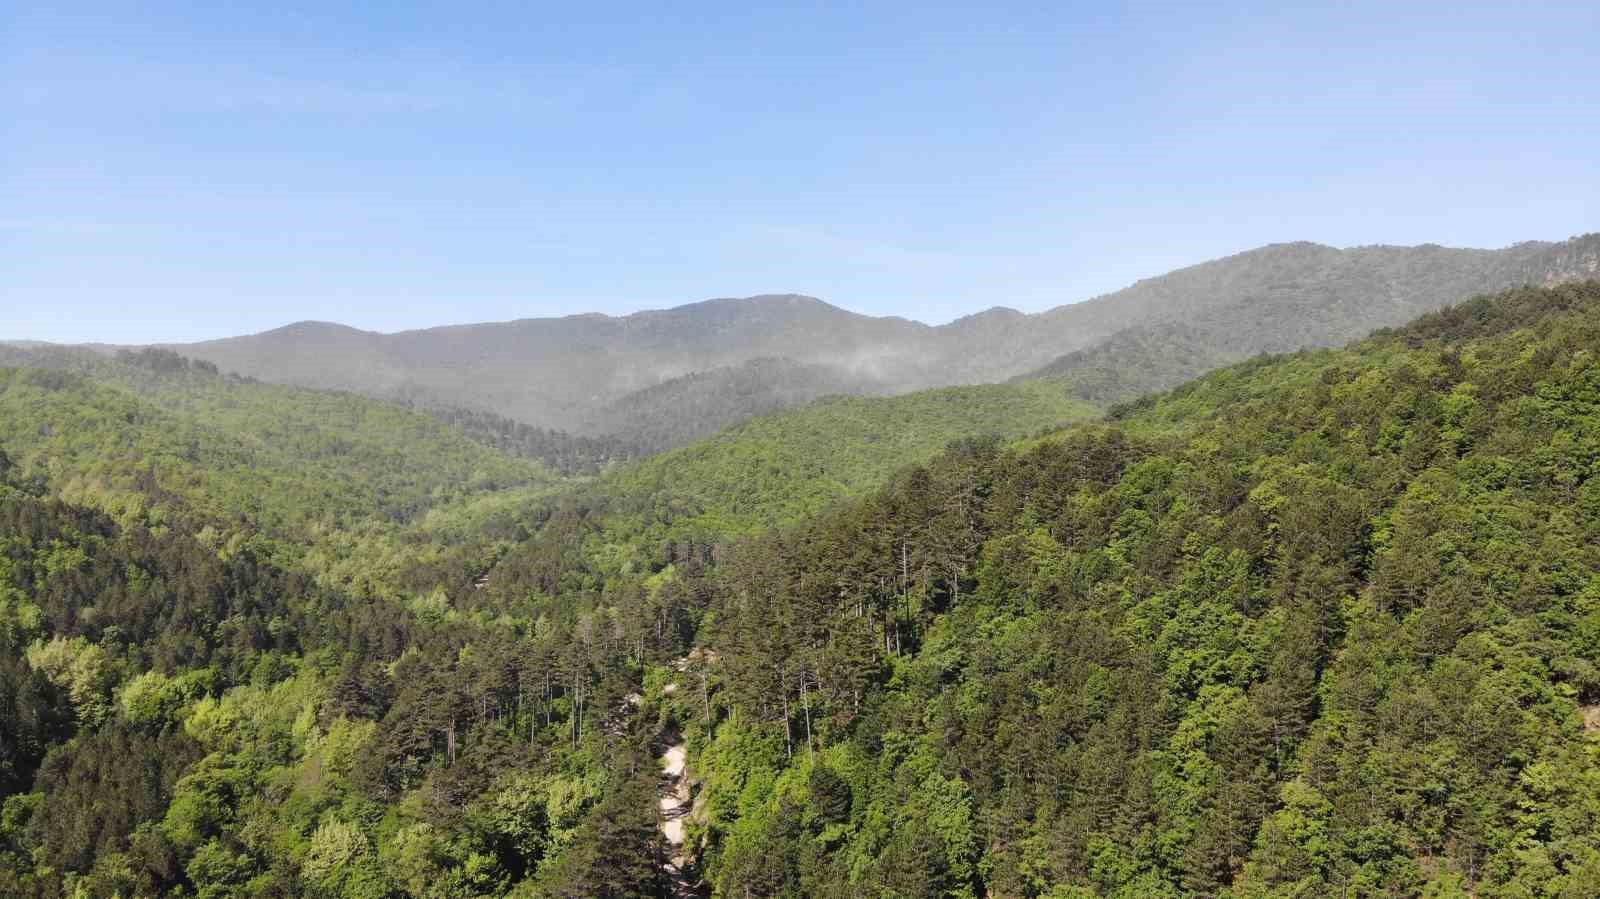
(658, 378)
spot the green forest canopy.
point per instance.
(1317, 624)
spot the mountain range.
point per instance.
(658, 379)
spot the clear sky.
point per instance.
(176, 172)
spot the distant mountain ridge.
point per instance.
(562, 372)
(1291, 296)
(660, 377)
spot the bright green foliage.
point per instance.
(1315, 625)
(780, 467)
(340, 862)
(364, 494)
(155, 700)
(143, 444)
(81, 668)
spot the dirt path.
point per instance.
(675, 805)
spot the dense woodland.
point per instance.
(1317, 624)
(570, 454)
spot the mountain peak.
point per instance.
(311, 327)
(994, 313)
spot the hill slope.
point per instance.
(1317, 624)
(1298, 295)
(156, 439)
(779, 467)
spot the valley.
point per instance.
(1254, 635)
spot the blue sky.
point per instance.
(176, 172)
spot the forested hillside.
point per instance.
(184, 721)
(1316, 624)
(569, 454)
(780, 467)
(231, 401)
(1322, 624)
(660, 417)
(337, 481)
